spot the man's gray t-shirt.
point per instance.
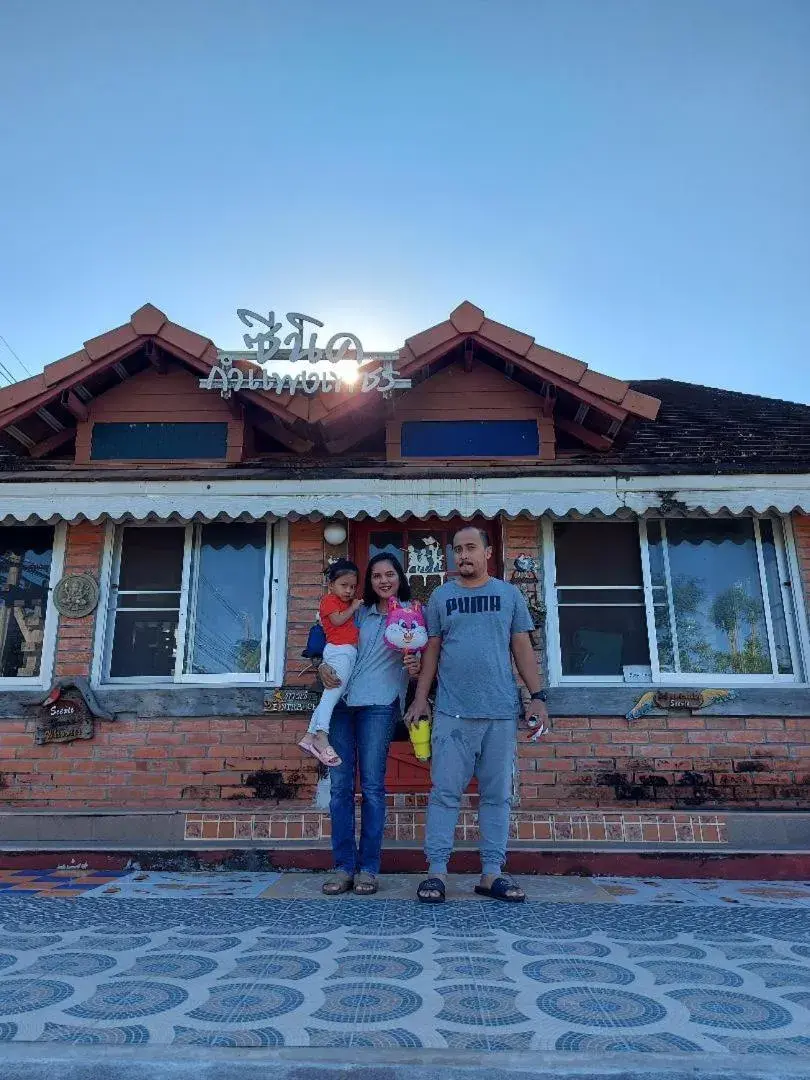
(475, 665)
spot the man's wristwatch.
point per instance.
(539, 695)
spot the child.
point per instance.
(336, 613)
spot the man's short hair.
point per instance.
(481, 532)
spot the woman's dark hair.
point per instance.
(339, 568)
(403, 592)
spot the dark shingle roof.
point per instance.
(704, 430)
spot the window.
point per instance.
(470, 438)
(158, 442)
(196, 603)
(26, 557)
(684, 597)
(600, 598)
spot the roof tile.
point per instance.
(467, 318)
(194, 344)
(99, 347)
(557, 363)
(641, 404)
(21, 391)
(506, 337)
(147, 320)
(437, 335)
(604, 385)
(64, 368)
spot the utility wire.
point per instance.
(4, 371)
(16, 357)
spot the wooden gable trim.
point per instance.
(586, 396)
(47, 446)
(471, 390)
(155, 396)
(585, 435)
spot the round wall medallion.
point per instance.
(76, 595)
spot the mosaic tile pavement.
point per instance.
(68, 881)
(588, 965)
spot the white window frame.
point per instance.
(792, 600)
(273, 629)
(48, 655)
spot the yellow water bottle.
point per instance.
(420, 738)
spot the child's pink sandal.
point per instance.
(326, 756)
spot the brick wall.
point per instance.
(676, 760)
(168, 762)
(74, 637)
(671, 760)
(801, 533)
(157, 763)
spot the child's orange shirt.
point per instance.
(347, 634)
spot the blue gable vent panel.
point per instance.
(470, 438)
(158, 442)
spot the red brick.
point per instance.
(164, 738)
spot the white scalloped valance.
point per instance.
(401, 498)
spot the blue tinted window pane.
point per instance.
(470, 438)
(158, 442)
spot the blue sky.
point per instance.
(627, 180)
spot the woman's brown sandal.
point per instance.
(365, 884)
(340, 882)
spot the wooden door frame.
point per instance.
(360, 531)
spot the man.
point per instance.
(477, 625)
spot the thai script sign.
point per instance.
(291, 699)
(351, 370)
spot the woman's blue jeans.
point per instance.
(361, 736)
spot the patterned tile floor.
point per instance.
(69, 881)
(587, 965)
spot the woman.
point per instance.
(362, 727)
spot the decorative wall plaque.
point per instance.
(64, 717)
(677, 701)
(76, 595)
(524, 576)
(291, 699)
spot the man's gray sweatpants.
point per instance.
(462, 749)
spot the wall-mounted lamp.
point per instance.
(335, 533)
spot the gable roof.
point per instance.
(469, 321)
(700, 431)
(39, 413)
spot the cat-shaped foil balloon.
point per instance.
(405, 628)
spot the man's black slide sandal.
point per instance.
(428, 886)
(502, 889)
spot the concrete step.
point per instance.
(37, 1062)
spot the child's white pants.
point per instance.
(342, 659)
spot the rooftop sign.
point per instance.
(350, 369)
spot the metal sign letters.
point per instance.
(342, 350)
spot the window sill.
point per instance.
(780, 699)
(141, 702)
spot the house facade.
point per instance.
(167, 513)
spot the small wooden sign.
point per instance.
(291, 699)
(679, 699)
(64, 717)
